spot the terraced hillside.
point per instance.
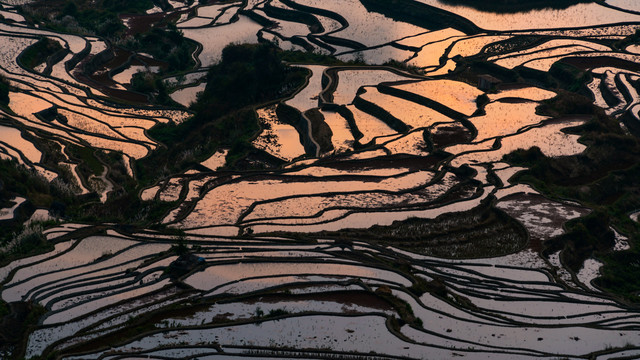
(349, 179)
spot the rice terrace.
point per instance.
(319, 179)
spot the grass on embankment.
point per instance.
(605, 178)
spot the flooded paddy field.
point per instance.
(426, 180)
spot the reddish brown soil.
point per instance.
(123, 95)
(360, 298)
(139, 24)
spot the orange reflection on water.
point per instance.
(225, 204)
(368, 28)
(505, 118)
(410, 113)
(277, 138)
(455, 95)
(342, 138)
(579, 15)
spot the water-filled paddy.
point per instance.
(265, 246)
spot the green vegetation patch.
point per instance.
(605, 178)
(38, 53)
(88, 161)
(17, 179)
(167, 45)
(98, 17)
(515, 6)
(27, 242)
(16, 319)
(152, 85)
(480, 232)
(419, 14)
(245, 76)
